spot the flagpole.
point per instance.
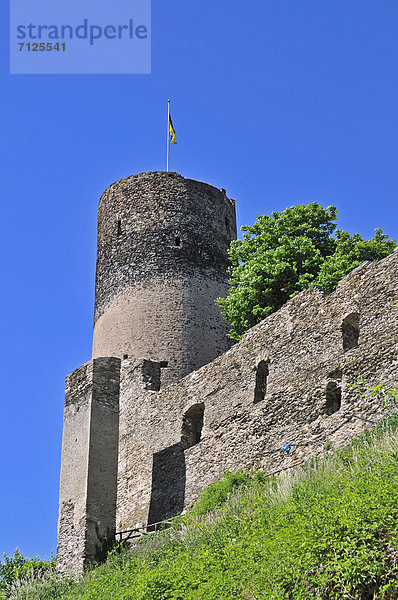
(168, 134)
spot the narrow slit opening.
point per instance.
(350, 331)
(333, 398)
(260, 389)
(192, 424)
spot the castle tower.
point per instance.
(161, 262)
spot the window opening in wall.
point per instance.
(119, 228)
(350, 331)
(227, 225)
(261, 381)
(151, 375)
(192, 424)
(177, 241)
(333, 398)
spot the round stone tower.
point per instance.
(161, 262)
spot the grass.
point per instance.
(326, 531)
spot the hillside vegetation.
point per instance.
(328, 530)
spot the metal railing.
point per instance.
(137, 532)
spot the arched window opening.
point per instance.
(177, 241)
(333, 398)
(350, 331)
(192, 424)
(261, 381)
(119, 228)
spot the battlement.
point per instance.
(152, 176)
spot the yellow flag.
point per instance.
(172, 132)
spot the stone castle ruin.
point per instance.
(166, 405)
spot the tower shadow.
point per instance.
(168, 484)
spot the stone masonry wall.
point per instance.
(176, 322)
(286, 381)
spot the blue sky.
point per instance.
(280, 102)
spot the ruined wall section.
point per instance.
(145, 427)
(287, 381)
(162, 260)
(74, 462)
(89, 463)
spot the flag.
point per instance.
(172, 131)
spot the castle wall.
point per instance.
(286, 381)
(89, 463)
(162, 259)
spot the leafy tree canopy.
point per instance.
(287, 252)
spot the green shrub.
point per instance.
(218, 492)
(17, 568)
(47, 586)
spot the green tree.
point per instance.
(287, 252)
